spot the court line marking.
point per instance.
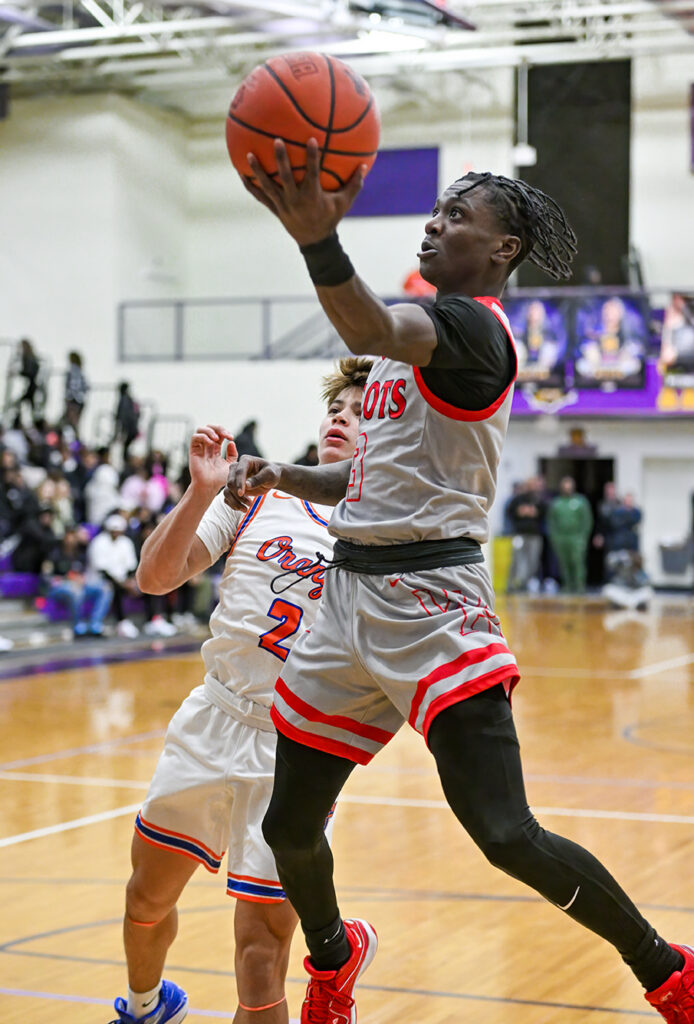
(563, 780)
(391, 989)
(92, 1001)
(91, 748)
(74, 780)
(67, 826)
(393, 801)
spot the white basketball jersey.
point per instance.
(422, 469)
(269, 591)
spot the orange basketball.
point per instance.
(300, 96)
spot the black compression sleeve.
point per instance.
(473, 362)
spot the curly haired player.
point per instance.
(425, 646)
(213, 781)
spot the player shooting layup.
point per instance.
(213, 781)
(407, 625)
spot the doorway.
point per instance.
(590, 475)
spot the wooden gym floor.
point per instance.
(605, 714)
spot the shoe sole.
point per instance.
(178, 1016)
(371, 949)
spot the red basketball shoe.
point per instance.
(329, 993)
(674, 1000)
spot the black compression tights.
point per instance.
(478, 758)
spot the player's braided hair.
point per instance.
(350, 373)
(547, 238)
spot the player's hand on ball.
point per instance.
(250, 476)
(307, 211)
(211, 450)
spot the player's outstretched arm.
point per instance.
(310, 214)
(173, 553)
(250, 476)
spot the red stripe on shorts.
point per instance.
(310, 739)
(311, 714)
(452, 668)
(465, 690)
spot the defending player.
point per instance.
(425, 646)
(213, 781)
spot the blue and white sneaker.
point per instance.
(171, 1008)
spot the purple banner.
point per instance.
(656, 398)
(400, 183)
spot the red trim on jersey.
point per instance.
(250, 516)
(454, 412)
(311, 714)
(451, 668)
(468, 689)
(252, 878)
(310, 739)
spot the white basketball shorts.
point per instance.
(210, 791)
(389, 649)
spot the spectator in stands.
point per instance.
(19, 501)
(310, 456)
(55, 491)
(126, 419)
(76, 388)
(527, 511)
(112, 557)
(629, 586)
(158, 607)
(245, 440)
(101, 490)
(29, 371)
(620, 532)
(37, 541)
(570, 521)
(67, 581)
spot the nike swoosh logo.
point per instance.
(150, 1001)
(333, 936)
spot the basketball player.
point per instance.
(213, 780)
(407, 629)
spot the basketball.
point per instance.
(296, 97)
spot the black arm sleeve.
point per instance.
(473, 362)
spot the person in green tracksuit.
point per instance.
(570, 523)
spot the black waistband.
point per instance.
(385, 559)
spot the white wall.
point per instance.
(106, 199)
(662, 182)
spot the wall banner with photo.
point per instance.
(603, 354)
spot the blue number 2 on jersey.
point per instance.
(289, 617)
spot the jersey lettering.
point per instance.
(281, 550)
(289, 617)
(356, 477)
(389, 396)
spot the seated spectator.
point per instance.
(245, 440)
(310, 456)
(56, 492)
(101, 490)
(36, 541)
(66, 580)
(112, 557)
(629, 586)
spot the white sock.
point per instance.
(141, 1003)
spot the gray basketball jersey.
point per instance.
(422, 469)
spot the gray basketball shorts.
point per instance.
(389, 649)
